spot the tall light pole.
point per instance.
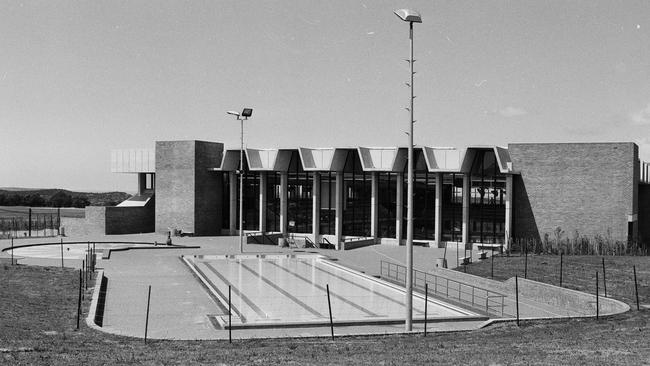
(411, 17)
(241, 117)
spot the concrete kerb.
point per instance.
(107, 253)
(90, 320)
(531, 319)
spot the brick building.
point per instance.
(338, 196)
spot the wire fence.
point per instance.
(621, 277)
(34, 225)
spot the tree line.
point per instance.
(59, 199)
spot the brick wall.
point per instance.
(588, 187)
(187, 194)
(130, 220)
(101, 220)
(208, 186)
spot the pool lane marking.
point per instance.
(283, 292)
(333, 294)
(204, 278)
(360, 286)
(237, 292)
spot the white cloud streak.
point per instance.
(641, 117)
(510, 112)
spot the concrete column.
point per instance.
(438, 210)
(263, 183)
(284, 185)
(338, 223)
(399, 190)
(509, 194)
(466, 195)
(374, 204)
(232, 176)
(315, 213)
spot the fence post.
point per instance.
(492, 266)
(597, 309)
(229, 314)
(83, 267)
(604, 280)
(79, 301)
(61, 252)
(435, 284)
(426, 301)
(29, 223)
(146, 322)
(636, 289)
(517, 298)
(12, 251)
(561, 260)
(329, 305)
(526, 263)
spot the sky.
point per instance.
(80, 78)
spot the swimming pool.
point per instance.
(271, 290)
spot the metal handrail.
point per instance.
(474, 296)
(326, 241)
(307, 240)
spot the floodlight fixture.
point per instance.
(408, 15)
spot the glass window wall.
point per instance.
(424, 200)
(487, 200)
(452, 207)
(251, 199)
(327, 203)
(299, 197)
(387, 204)
(357, 190)
(273, 201)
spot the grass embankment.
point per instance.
(38, 319)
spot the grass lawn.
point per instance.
(38, 320)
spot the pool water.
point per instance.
(291, 289)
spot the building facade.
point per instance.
(340, 196)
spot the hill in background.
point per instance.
(58, 198)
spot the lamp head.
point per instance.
(247, 112)
(409, 15)
(233, 113)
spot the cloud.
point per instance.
(641, 117)
(510, 112)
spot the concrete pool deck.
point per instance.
(181, 308)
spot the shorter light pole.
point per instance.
(241, 117)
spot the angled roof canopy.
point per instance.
(373, 159)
